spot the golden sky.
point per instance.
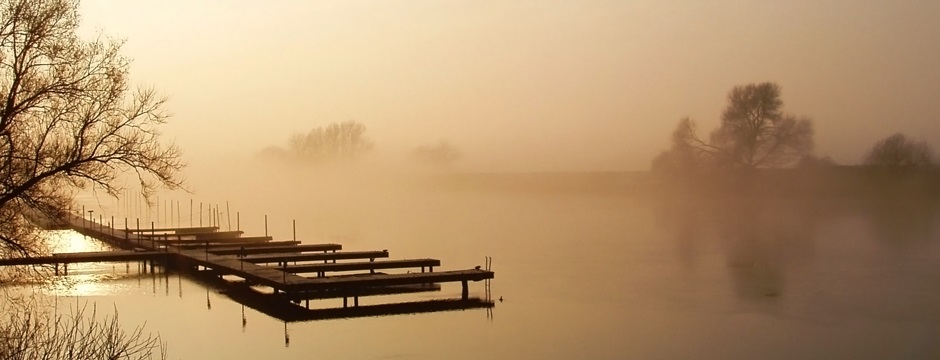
(527, 85)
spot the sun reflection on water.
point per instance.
(86, 279)
(71, 241)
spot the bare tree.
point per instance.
(69, 120)
(344, 140)
(441, 154)
(30, 333)
(687, 152)
(901, 152)
(754, 132)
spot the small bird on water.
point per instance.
(477, 267)
(500, 299)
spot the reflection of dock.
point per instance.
(279, 266)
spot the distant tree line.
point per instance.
(755, 133)
(346, 142)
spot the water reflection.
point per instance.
(761, 239)
(900, 221)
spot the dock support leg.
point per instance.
(307, 303)
(344, 302)
(57, 268)
(466, 291)
(66, 267)
(356, 301)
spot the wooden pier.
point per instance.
(260, 260)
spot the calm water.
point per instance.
(584, 277)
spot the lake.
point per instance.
(581, 275)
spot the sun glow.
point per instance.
(63, 241)
(83, 279)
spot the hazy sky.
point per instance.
(527, 85)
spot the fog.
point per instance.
(525, 85)
(557, 108)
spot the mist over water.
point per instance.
(592, 265)
(557, 109)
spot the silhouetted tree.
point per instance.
(686, 154)
(901, 152)
(754, 132)
(29, 332)
(441, 154)
(344, 140)
(67, 120)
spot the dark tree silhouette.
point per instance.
(67, 120)
(899, 151)
(754, 133)
(344, 140)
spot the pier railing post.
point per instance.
(265, 225)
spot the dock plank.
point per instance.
(342, 255)
(339, 282)
(235, 245)
(280, 249)
(96, 256)
(191, 230)
(363, 265)
(246, 239)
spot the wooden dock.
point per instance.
(227, 254)
(299, 257)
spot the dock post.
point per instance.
(294, 221)
(200, 214)
(153, 232)
(190, 212)
(356, 300)
(344, 302)
(466, 291)
(127, 232)
(138, 232)
(112, 227)
(228, 216)
(238, 221)
(265, 225)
